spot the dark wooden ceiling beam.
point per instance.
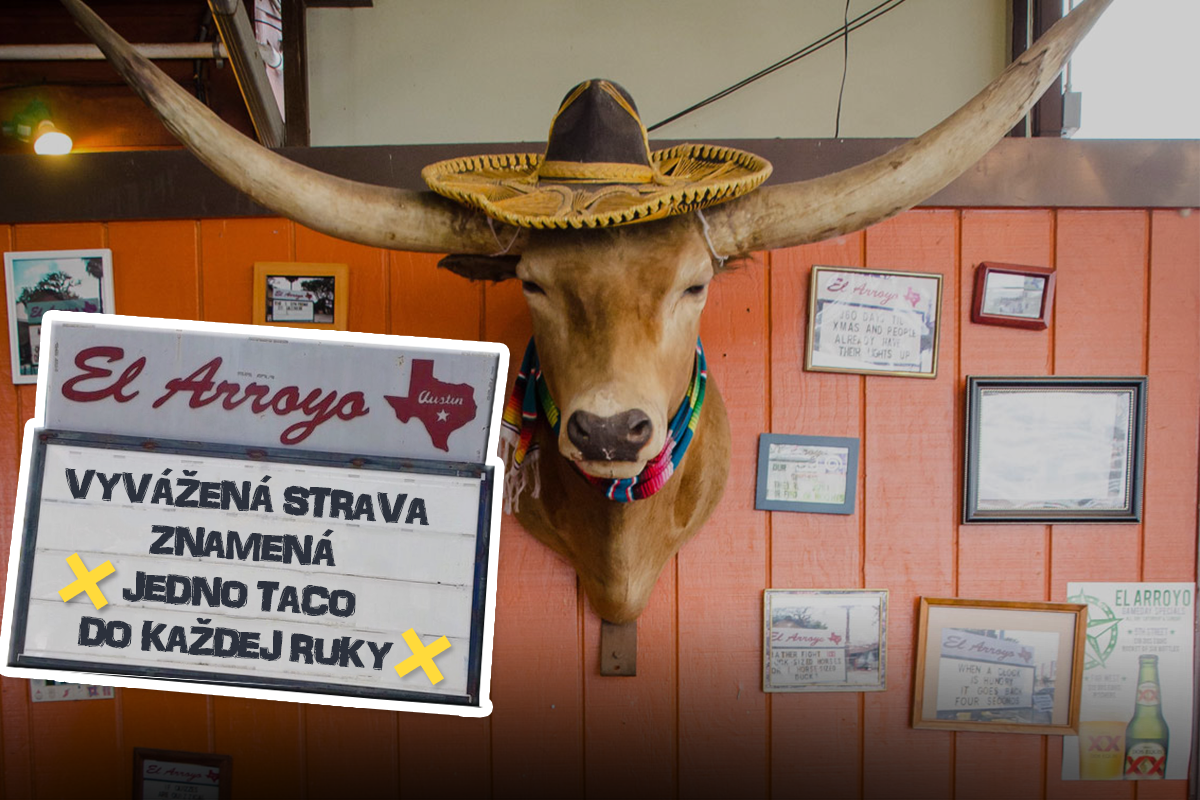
(295, 71)
(1025, 173)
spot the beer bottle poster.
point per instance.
(1136, 708)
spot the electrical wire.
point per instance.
(854, 24)
(837, 120)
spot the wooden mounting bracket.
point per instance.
(618, 649)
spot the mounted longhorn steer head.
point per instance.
(615, 306)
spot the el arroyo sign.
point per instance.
(281, 514)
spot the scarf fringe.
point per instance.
(517, 478)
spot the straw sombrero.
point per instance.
(598, 170)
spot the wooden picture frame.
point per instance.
(998, 666)
(49, 280)
(817, 474)
(197, 774)
(1013, 295)
(873, 322)
(1054, 450)
(302, 295)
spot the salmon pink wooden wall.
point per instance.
(695, 722)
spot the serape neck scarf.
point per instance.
(530, 396)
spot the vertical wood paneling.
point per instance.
(351, 752)
(723, 729)
(1003, 562)
(156, 273)
(368, 276)
(1100, 329)
(695, 721)
(427, 301)
(91, 729)
(1173, 426)
(269, 737)
(14, 694)
(911, 510)
(537, 685)
(228, 250)
(267, 742)
(630, 733)
(156, 268)
(813, 551)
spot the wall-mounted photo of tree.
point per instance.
(51, 280)
(301, 295)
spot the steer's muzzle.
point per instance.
(616, 438)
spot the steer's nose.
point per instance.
(616, 438)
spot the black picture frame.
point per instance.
(1054, 449)
(840, 458)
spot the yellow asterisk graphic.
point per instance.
(86, 581)
(422, 656)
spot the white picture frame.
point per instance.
(37, 281)
(825, 640)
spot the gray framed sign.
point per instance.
(1054, 449)
(817, 474)
(254, 572)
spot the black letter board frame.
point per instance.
(43, 437)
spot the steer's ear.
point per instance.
(481, 268)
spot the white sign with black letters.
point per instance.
(253, 571)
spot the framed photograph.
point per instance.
(873, 322)
(817, 640)
(302, 295)
(176, 773)
(47, 280)
(806, 473)
(1054, 450)
(1000, 666)
(1009, 294)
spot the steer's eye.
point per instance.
(529, 287)
(696, 290)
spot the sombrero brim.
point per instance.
(508, 187)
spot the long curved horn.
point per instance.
(359, 212)
(850, 200)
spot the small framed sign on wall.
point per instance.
(302, 295)
(874, 322)
(817, 474)
(1012, 295)
(170, 774)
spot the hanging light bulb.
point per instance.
(50, 141)
(33, 124)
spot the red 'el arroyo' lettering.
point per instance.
(113, 390)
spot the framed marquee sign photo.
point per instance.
(302, 295)
(873, 322)
(268, 568)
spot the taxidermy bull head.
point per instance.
(618, 445)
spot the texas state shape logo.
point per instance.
(441, 407)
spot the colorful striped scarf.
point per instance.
(530, 396)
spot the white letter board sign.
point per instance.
(246, 568)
